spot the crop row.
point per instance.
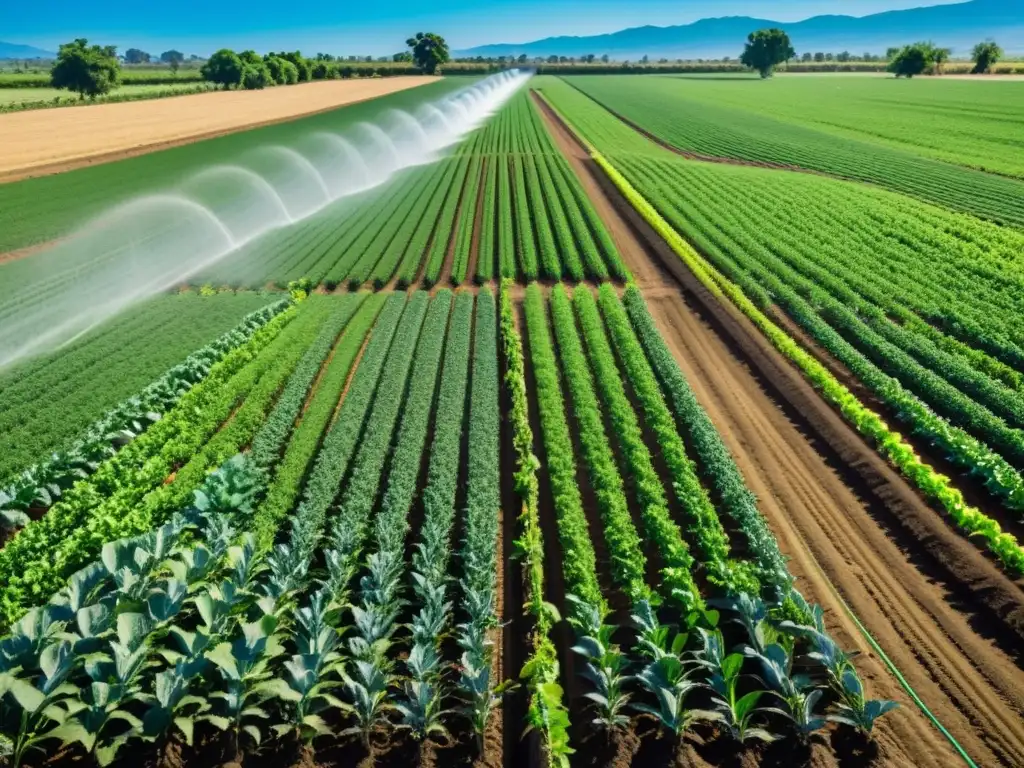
(286, 486)
(546, 711)
(977, 439)
(219, 628)
(45, 552)
(936, 280)
(149, 348)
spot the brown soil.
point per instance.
(852, 525)
(351, 375)
(30, 250)
(444, 277)
(42, 142)
(474, 248)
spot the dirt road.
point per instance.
(841, 515)
(44, 141)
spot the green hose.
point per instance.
(889, 663)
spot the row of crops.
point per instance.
(921, 305)
(46, 208)
(505, 203)
(300, 550)
(689, 615)
(684, 115)
(980, 126)
(268, 596)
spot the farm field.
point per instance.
(506, 205)
(713, 119)
(936, 341)
(137, 347)
(36, 210)
(21, 95)
(556, 447)
(981, 128)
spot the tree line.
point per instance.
(93, 70)
(766, 49)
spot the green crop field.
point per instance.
(919, 303)
(521, 451)
(52, 95)
(146, 341)
(799, 128)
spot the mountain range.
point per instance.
(12, 51)
(957, 26)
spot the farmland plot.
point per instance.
(689, 116)
(97, 373)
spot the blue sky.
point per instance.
(374, 27)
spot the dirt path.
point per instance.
(46, 141)
(831, 500)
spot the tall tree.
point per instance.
(985, 55)
(912, 60)
(88, 70)
(429, 51)
(135, 56)
(223, 68)
(766, 49)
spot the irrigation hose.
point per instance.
(893, 669)
(887, 661)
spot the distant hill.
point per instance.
(957, 26)
(12, 51)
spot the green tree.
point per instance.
(88, 70)
(275, 66)
(939, 57)
(302, 65)
(911, 60)
(985, 55)
(173, 58)
(223, 68)
(429, 51)
(766, 49)
(256, 76)
(322, 70)
(135, 56)
(250, 58)
(403, 57)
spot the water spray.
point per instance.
(148, 245)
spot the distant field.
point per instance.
(23, 95)
(913, 137)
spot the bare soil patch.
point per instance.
(41, 142)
